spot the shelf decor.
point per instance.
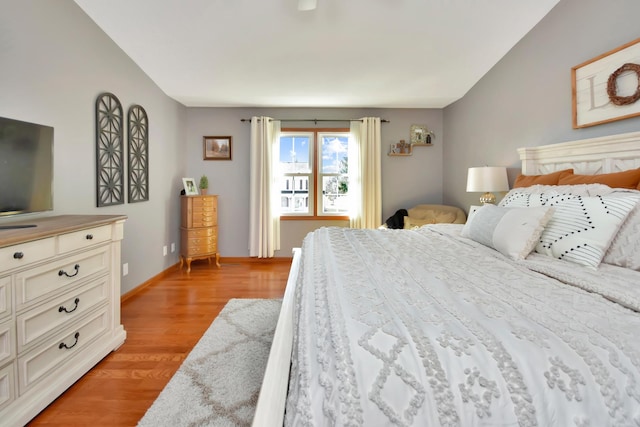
(401, 148)
(109, 151)
(420, 135)
(607, 87)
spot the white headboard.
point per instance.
(613, 153)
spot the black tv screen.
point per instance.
(26, 167)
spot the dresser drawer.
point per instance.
(204, 214)
(199, 245)
(203, 210)
(54, 352)
(209, 218)
(200, 250)
(5, 297)
(204, 203)
(199, 211)
(41, 320)
(84, 238)
(7, 342)
(58, 276)
(27, 253)
(204, 222)
(194, 233)
(7, 385)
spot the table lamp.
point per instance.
(487, 179)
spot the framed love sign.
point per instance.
(607, 87)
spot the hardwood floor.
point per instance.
(163, 322)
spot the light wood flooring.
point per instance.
(163, 322)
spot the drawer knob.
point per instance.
(18, 255)
(64, 273)
(63, 308)
(89, 237)
(63, 345)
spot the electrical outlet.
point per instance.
(125, 268)
(164, 250)
(173, 247)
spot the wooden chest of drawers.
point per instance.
(199, 229)
(59, 307)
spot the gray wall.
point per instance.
(525, 100)
(406, 180)
(54, 62)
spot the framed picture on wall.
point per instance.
(216, 147)
(190, 187)
(607, 87)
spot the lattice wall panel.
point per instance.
(109, 151)
(138, 154)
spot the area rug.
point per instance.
(219, 381)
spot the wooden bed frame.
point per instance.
(592, 156)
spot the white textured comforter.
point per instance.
(426, 328)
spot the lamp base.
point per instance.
(488, 198)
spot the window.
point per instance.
(314, 167)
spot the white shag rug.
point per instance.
(219, 381)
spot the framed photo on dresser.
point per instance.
(190, 187)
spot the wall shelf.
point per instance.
(410, 150)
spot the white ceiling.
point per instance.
(345, 53)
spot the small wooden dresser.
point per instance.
(199, 229)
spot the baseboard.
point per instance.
(236, 260)
(146, 283)
(223, 260)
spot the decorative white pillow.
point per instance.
(510, 199)
(582, 228)
(624, 250)
(514, 232)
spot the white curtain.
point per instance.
(364, 172)
(264, 215)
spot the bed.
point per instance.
(529, 314)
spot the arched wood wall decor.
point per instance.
(138, 125)
(109, 151)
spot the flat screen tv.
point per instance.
(26, 167)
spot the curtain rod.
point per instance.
(319, 120)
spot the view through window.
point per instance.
(314, 166)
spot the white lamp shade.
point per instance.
(487, 179)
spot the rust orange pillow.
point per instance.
(546, 179)
(627, 179)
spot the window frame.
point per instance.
(315, 154)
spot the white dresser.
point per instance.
(59, 307)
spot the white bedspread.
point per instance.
(425, 328)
